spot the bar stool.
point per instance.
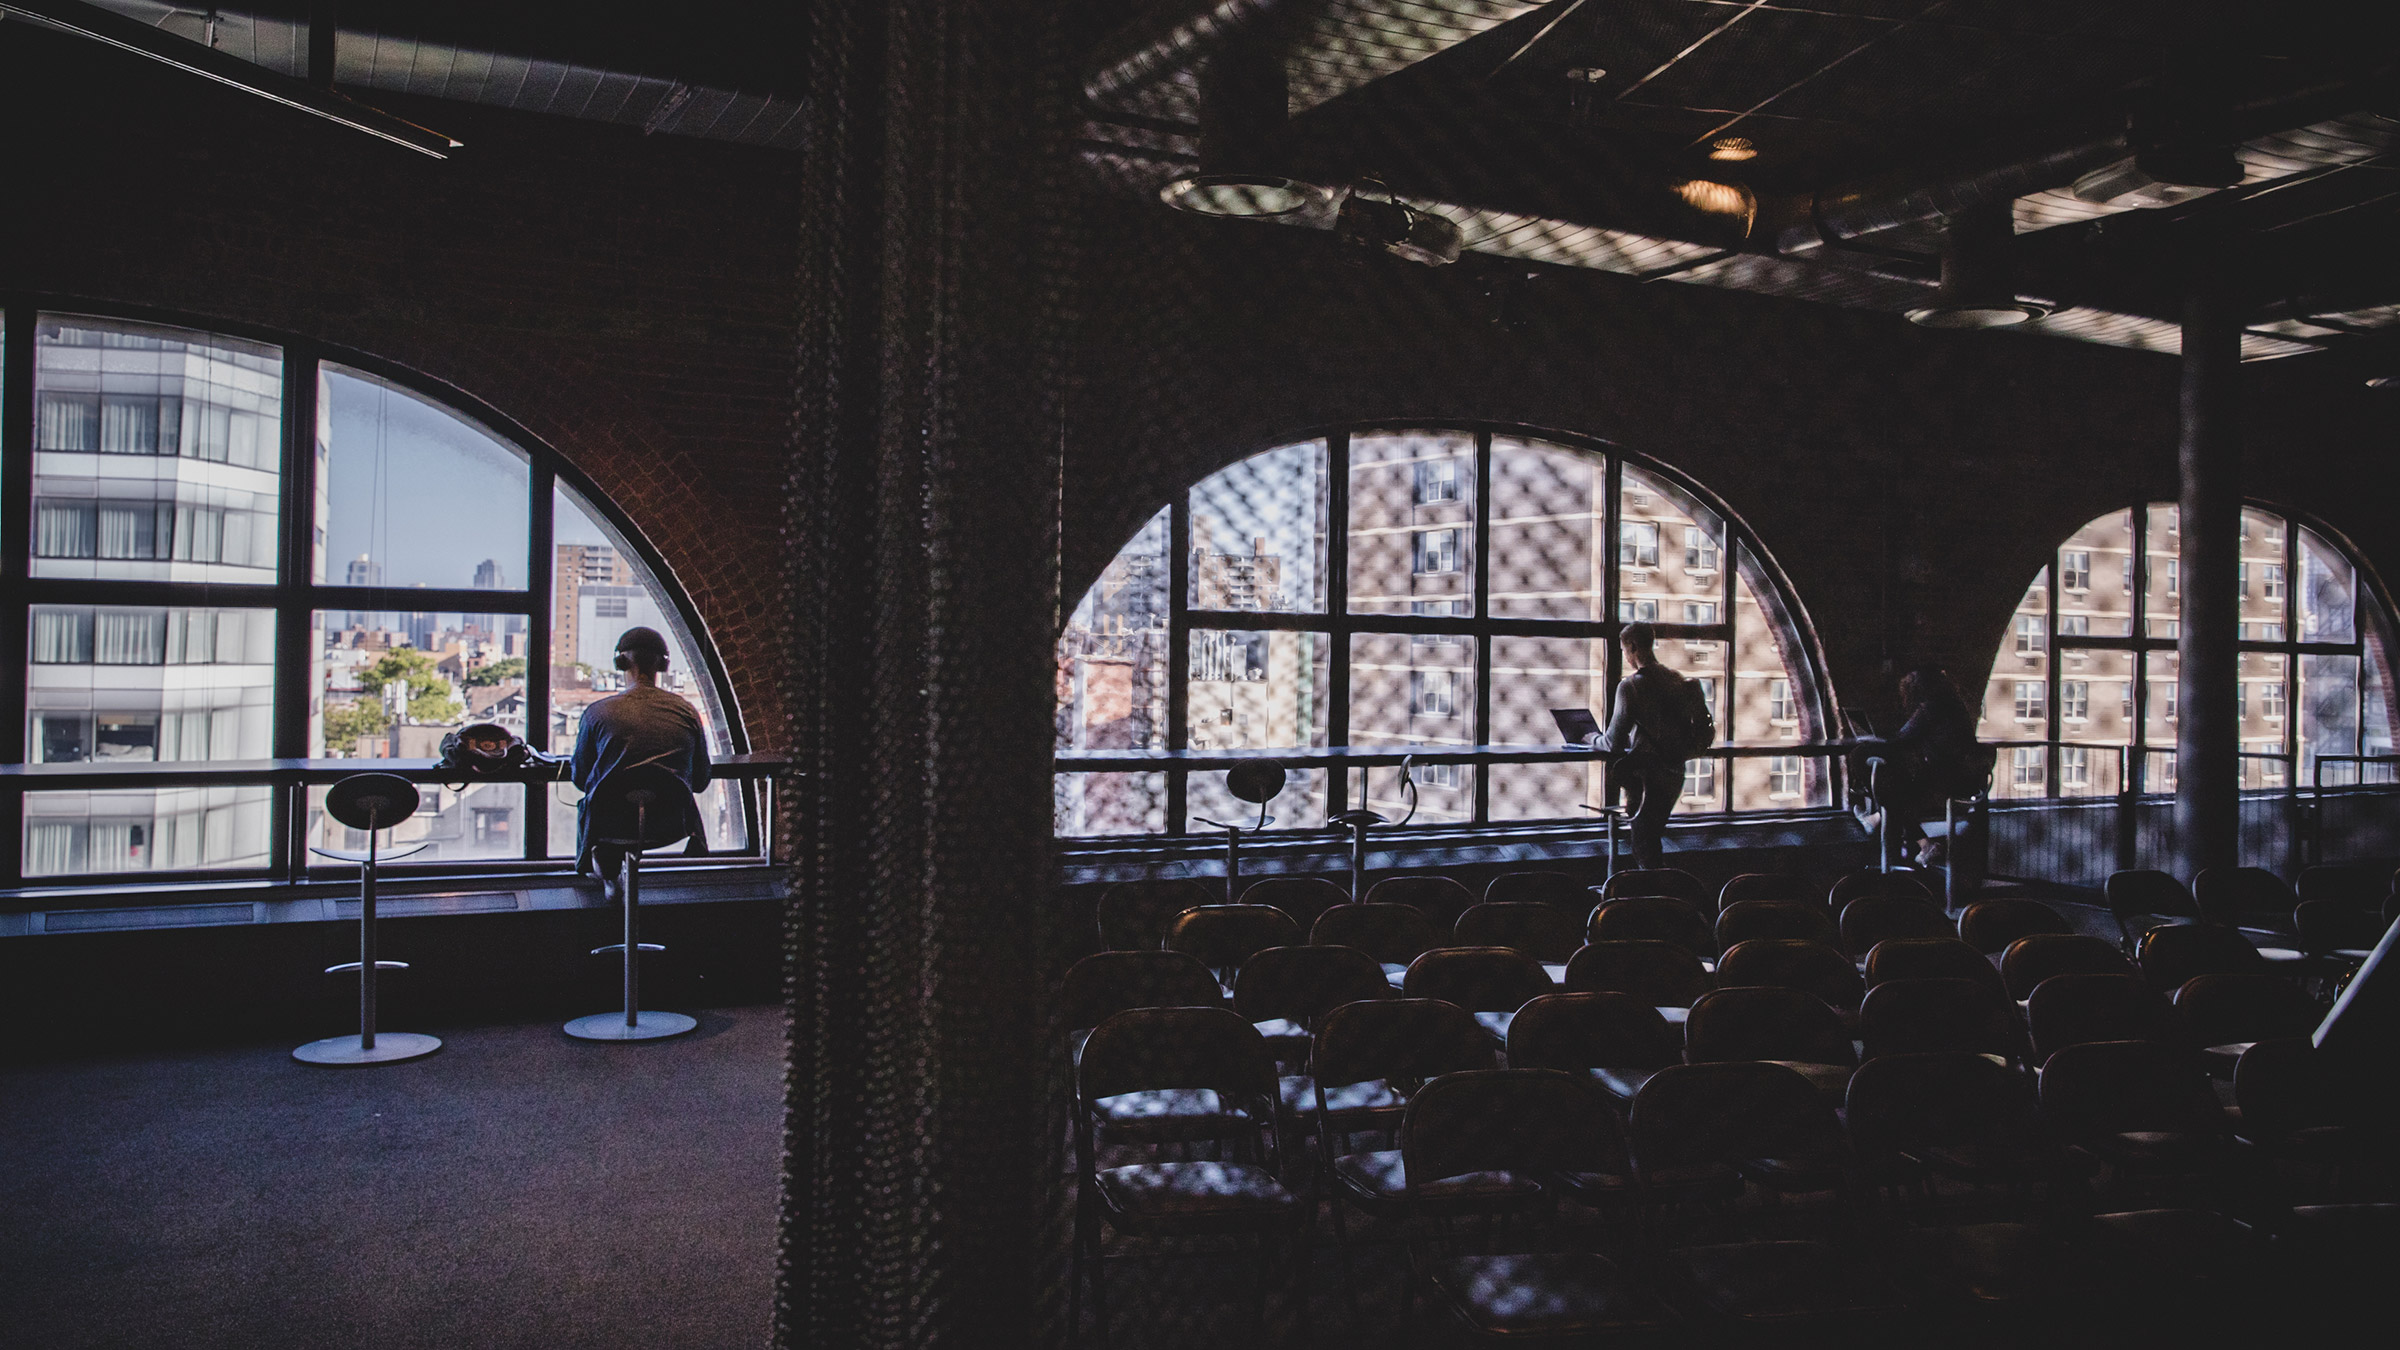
(370, 802)
(628, 798)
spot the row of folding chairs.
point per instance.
(1135, 915)
(1475, 1140)
(2336, 914)
(1223, 935)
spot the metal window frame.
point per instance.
(2369, 607)
(295, 596)
(1336, 625)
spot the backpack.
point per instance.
(1686, 725)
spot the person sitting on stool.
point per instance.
(643, 725)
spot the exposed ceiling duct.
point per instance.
(1148, 68)
(2332, 144)
(406, 65)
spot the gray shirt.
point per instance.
(1640, 697)
(643, 725)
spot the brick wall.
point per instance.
(626, 299)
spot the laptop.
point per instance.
(1577, 726)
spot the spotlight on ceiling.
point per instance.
(1732, 148)
(1233, 194)
(2383, 382)
(1394, 227)
(1978, 287)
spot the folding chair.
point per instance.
(1544, 932)
(1134, 1058)
(1538, 1125)
(1490, 982)
(1135, 915)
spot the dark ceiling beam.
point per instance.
(140, 39)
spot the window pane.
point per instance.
(2328, 715)
(1418, 690)
(2159, 732)
(2328, 595)
(391, 685)
(1258, 533)
(1547, 522)
(2093, 580)
(2024, 656)
(2161, 596)
(1660, 534)
(156, 453)
(1531, 676)
(1780, 783)
(1085, 804)
(1256, 690)
(599, 588)
(146, 830)
(484, 822)
(126, 684)
(1761, 633)
(1112, 659)
(1412, 552)
(411, 493)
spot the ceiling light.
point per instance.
(1587, 74)
(2383, 382)
(1978, 286)
(1718, 199)
(1233, 194)
(1999, 315)
(1732, 148)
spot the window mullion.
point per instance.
(16, 517)
(1179, 652)
(1482, 518)
(1337, 619)
(539, 564)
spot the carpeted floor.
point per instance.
(517, 1189)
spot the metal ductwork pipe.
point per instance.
(1828, 220)
(1244, 103)
(1151, 51)
(1979, 274)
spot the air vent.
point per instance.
(151, 916)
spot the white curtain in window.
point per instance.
(64, 530)
(129, 637)
(53, 848)
(113, 849)
(127, 531)
(66, 425)
(62, 636)
(191, 637)
(212, 432)
(129, 426)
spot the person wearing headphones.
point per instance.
(643, 725)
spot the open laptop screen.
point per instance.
(1575, 725)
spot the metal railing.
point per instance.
(2078, 840)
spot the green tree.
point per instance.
(429, 698)
(346, 723)
(508, 668)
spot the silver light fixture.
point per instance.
(1979, 278)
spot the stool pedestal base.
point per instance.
(391, 1047)
(610, 1026)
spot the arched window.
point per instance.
(238, 552)
(2084, 684)
(1438, 588)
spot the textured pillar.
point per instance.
(922, 552)
(2207, 770)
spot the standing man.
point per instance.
(643, 725)
(1660, 720)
